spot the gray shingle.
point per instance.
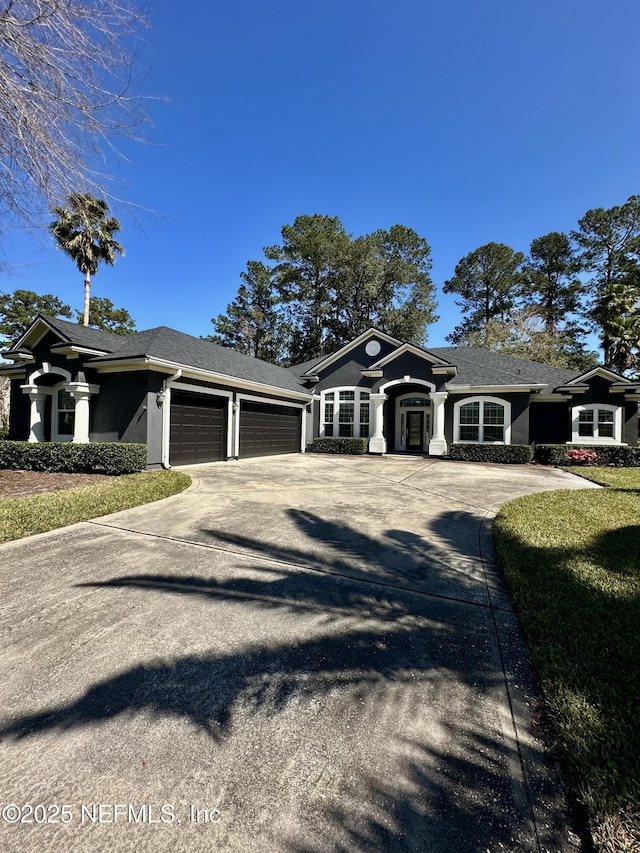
(182, 349)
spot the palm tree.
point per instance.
(85, 232)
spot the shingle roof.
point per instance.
(85, 336)
(170, 345)
(299, 369)
(483, 367)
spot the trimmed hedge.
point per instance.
(68, 458)
(351, 446)
(613, 455)
(510, 454)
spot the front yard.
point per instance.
(572, 563)
(37, 513)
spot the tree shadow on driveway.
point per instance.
(419, 675)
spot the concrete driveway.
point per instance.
(300, 654)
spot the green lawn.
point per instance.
(36, 514)
(572, 562)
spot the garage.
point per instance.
(267, 429)
(198, 428)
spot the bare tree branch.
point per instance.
(67, 91)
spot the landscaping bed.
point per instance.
(572, 563)
(100, 495)
(20, 483)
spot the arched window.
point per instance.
(484, 420)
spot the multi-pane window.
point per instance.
(66, 412)
(364, 414)
(596, 423)
(346, 413)
(481, 420)
(328, 413)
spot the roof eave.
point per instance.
(162, 365)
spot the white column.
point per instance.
(377, 442)
(438, 444)
(37, 412)
(81, 393)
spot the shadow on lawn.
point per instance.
(438, 781)
(580, 611)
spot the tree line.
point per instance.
(320, 287)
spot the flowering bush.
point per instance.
(576, 456)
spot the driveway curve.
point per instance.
(302, 653)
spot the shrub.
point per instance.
(69, 458)
(512, 454)
(351, 446)
(613, 455)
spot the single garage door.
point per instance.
(198, 428)
(267, 429)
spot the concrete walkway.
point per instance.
(300, 654)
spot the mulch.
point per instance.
(17, 484)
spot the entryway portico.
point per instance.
(408, 416)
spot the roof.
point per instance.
(483, 367)
(83, 336)
(475, 367)
(168, 344)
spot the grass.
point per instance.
(38, 513)
(572, 563)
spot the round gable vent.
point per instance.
(372, 348)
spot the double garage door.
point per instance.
(199, 428)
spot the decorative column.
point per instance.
(81, 393)
(438, 444)
(37, 414)
(377, 442)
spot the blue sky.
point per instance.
(468, 121)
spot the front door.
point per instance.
(415, 430)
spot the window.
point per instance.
(66, 412)
(364, 414)
(345, 413)
(328, 413)
(483, 419)
(414, 401)
(597, 423)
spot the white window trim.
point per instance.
(336, 409)
(55, 435)
(482, 399)
(595, 439)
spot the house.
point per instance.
(193, 401)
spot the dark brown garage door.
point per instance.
(198, 428)
(266, 429)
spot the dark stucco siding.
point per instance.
(119, 410)
(19, 404)
(411, 365)
(550, 423)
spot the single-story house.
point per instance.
(193, 401)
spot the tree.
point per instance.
(66, 88)
(489, 280)
(18, 310)
(252, 324)
(85, 233)
(524, 335)
(609, 242)
(332, 287)
(312, 252)
(104, 315)
(551, 285)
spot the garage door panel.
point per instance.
(198, 428)
(266, 429)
